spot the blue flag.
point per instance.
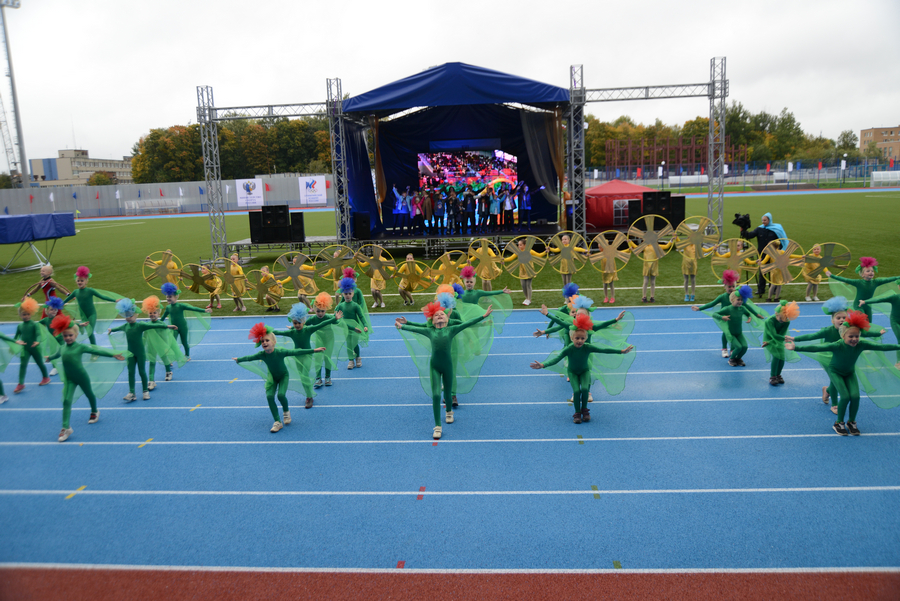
(6, 210)
(74, 196)
(798, 165)
(139, 193)
(746, 167)
(617, 173)
(201, 190)
(680, 169)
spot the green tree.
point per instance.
(847, 140)
(787, 136)
(696, 128)
(5, 181)
(872, 151)
(100, 178)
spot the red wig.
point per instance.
(868, 262)
(60, 322)
(430, 309)
(258, 332)
(857, 319)
(349, 272)
(583, 322)
(467, 272)
(82, 272)
(730, 276)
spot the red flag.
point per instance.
(31, 196)
(160, 192)
(892, 163)
(327, 183)
(702, 170)
(768, 166)
(638, 171)
(98, 195)
(820, 165)
(268, 189)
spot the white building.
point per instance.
(75, 167)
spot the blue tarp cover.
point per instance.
(15, 229)
(453, 84)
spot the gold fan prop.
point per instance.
(331, 261)
(234, 279)
(296, 269)
(266, 289)
(651, 233)
(485, 259)
(833, 256)
(781, 265)
(699, 232)
(446, 268)
(609, 251)
(738, 255)
(567, 258)
(372, 259)
(200, 280)
(414, 276)
(161, 267)
(524, 263)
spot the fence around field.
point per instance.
(145, 199)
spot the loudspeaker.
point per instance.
(276, 216)
(634, 211)
(650, 206)
(298, 230)
(362, 226)
(256, 227)
(277, 234)
(677, 210)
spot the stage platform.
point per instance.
(433, 246)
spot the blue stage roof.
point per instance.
(453, 84)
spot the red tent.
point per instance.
(599, 202)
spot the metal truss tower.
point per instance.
(718, 92)
(338, 161)
(209, 141)
(7, 140)
(20, 138)
(575, 148)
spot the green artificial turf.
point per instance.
(866, 222)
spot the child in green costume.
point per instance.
(774, 333)
(134, 338)
(356, 321)
(85, 298)
(276, 372)
(28, 334)
(842, 367)
(892, 299)
(175, 312)
(729, 280)
(160, 343)
(866, 287)
(74, 373)
(732, 318)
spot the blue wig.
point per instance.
(54, 302)
(459, 290)
(170, 289)
(583, 302)
(446, 300)
(746, 292)
(570, 290)
(298, 312)
(835, 304)
(347, 285)
(125, 307)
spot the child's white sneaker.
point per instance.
(65, 433)
(358, 362)
(287, 417)
(129, 397)
(449, 417)
(3, 398)
(276, 427)
(351, 365)
(53, 372)
(94, 417)
(809, 299)
(437, 433)
(146, 395)
(168, 376)
(151, 386)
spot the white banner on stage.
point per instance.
(312, 192)
(249, 192)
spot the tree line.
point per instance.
(767, 137)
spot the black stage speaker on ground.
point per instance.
(298, 229)
(362, 226)
(276, 216)
(256, 227)
(677, 204)
(278, 234)
(634, 211)
(650, 206)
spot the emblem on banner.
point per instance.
(249, 187)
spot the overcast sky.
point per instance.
(99, 74)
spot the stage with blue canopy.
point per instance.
(454, 106)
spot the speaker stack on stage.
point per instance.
(664, 204)
(276, 225)
(362, 226)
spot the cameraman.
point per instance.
(764, 234)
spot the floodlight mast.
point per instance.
(20, 139)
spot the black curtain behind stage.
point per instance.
(360, 189)
(402, 139)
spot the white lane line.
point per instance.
(430, 441)
(452, 493)
(87, 229)
(151, 568)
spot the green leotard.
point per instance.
(441, 362)
(893, 299)
(6, 353)
(278, 379)
(324, 337)
(134, 335)
(302, 339)
(843, 369)
(735, 330)
(579, 370)
(722, 301)
(29, 332)
(75, 375)
(85, 298)
(353, 318)
(175, 313)
(864, 290)
(831, 334)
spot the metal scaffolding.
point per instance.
(575, 146)
(716, 89)
(338, 161)
(208, 116)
